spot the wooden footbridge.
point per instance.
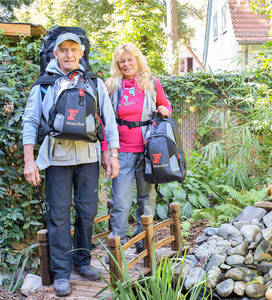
(138, 265)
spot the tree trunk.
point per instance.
(172, 34)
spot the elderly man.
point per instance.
(71, 169)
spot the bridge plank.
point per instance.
(83, 289)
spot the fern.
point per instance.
(245, 199)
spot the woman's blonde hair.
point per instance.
(143, 76)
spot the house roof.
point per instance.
(248, 26)
(22, 29)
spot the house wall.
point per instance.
(184, 54)
(223, 50)
(248, 55)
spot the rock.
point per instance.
(241, 249)
(30, 284)
(263, 248)
(4, 276)
(269, 284)
(264, 204)
(202, 238)
(210, 231)
(255, 290)
(268, 276)
(192, 259)
(250, 213)
(235, 260)
(258, 237)
(241, 274)
(214, 245)
(195, 276)
(249, 259)
(249, 232)
(264, 267)
(225, 267)
(225, 288)
(213, 277)
(267, 219)
(230, 233)
(184, 268)
(252, 246)
(267, 234)
(239, 288)
(239, 224)
(215, 261)
(268, 294)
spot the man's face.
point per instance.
(68, 56)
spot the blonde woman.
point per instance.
(135, 96)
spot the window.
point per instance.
(181, 65)
(215, 26)
(186, 64)
(224, 18)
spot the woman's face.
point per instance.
(128, 65)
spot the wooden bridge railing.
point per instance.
(147, 235)
(114, 244)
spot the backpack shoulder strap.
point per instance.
(44, 81)
(47, 79)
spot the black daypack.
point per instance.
(74, 115)
(49, 41)
(164, 156)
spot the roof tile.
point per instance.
(247, 26)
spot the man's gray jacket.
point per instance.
(60, 152)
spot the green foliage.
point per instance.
(232, 203)
(109, 23)
(157, 286)
(7, 8)
(198, 189)
(18, 205)
(262, 7)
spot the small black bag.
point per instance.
(74, 115)
(164, 156)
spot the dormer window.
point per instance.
(215, 26)
(224, 18)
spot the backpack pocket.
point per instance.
(58, 122)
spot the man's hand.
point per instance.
(113, 164)
(31, 171)
(105, 160)
(114, 167)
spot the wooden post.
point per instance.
(113, 243)
(175, 228)
(44, 257)
(108, 206)
(147, 222)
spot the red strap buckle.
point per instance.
(81, 92)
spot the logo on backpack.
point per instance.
(164, 157)
(156, 158)
(73, 113)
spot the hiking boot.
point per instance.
(62, 287)
(107, 259)
(139, 249)
(88, 272)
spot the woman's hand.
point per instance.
(163, 111)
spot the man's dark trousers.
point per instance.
(60, 181)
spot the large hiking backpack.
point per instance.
(74, 114)
(49, 41)
(77, 119)
(164, 156)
